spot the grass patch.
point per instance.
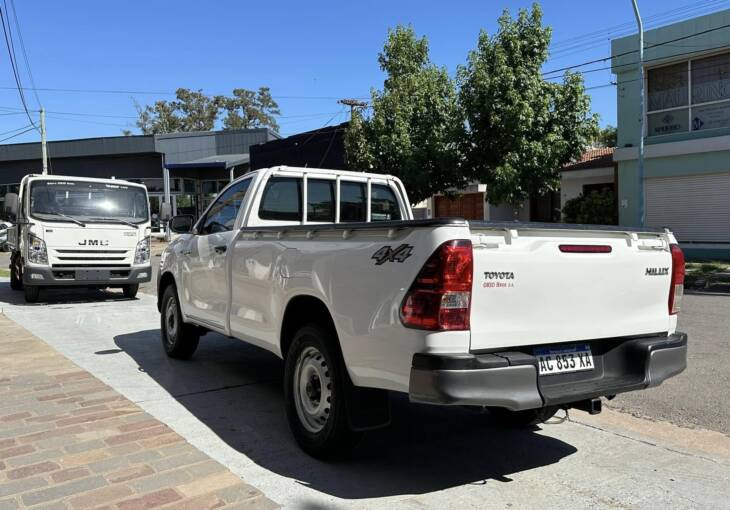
(4, 272)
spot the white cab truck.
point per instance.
(328, 270)
(74, 231)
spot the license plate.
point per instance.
(575, 358)
(91, 274)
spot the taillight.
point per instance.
(440, 297)
(677, 284)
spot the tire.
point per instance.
(179, 339)
(314, 393)
(32, 292)
(526, 418)
(16, 281)
(130, 291)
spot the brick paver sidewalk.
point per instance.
(68, 441)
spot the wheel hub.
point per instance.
(312, 389)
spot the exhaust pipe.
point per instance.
(591, 406)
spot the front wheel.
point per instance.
(524, 418)
(130, 291)
(314, 391)
(179, 338)
(32, 293)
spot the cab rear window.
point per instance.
(282, 199)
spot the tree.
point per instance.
(521, 127)
(192, 110)
(606, 137)
(415, 124)
(249, 109)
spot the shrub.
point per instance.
(596, 208)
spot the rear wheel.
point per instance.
(524, 418)
(179, 339)
(314, 390)
(130, 291)
(16, 280)
(32, 293)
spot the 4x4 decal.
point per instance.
(388, 254)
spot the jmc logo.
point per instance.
(94, 242)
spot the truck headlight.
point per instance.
(142, 253)
(37, 253)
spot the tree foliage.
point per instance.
(415, 125)
(596, 208)
(499, 123)
(522, 128)
(191, 110)
(606, 137)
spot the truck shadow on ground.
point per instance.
(61, 295)
(235, 390)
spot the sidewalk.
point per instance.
(68, 441)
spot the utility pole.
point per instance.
(640, 173)
(44, 149)
(353, 104)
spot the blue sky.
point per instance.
(308, 53)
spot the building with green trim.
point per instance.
(686, 131)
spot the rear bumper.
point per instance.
(44, 276)
(510, 379)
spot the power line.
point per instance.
(25, 53)
(31, 128)
(156, 93)
(11, 55)
(646, 47)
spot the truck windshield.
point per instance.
(92, 202)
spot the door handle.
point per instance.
(220, 249)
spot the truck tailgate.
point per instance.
(528, 290)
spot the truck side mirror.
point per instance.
(181, 224)
(11, 206)
(165, 211)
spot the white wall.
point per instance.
(572, 181)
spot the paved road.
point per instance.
(227, 402)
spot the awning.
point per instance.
(218, 161)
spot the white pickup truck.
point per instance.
(328, 270)
(76, 231)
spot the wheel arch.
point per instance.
(300, 310)
(166, 279)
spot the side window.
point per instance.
(383, 204)
(352, 201)
(282, 199)
(320, 200)
(222, 215)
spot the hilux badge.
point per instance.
(656, 271)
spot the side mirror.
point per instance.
(181, 224)
(11, 205)
(165, 211)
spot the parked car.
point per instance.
(328, 270)
(4, 227)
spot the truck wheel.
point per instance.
(179, 339)
(130, 291)
(31, 293)
(16, 282)
(314, 388)
(524, 418)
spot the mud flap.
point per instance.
(367, 408)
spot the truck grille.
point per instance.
(89, 266)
